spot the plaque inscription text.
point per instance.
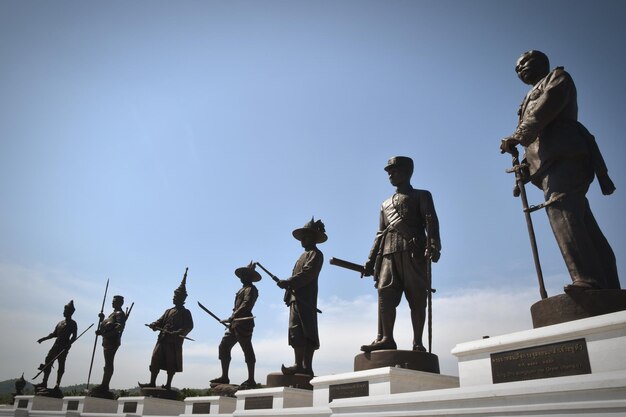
(546, 361)
(349, 390)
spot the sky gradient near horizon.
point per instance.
(139, 138)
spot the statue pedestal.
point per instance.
(36, 402)
(278, 379)
(574, 348)
(275, 398)
(373, 382)
(572, 368)
(577, 305)
(209, 405)
(149, 406)
(409, 359)
(89, 405)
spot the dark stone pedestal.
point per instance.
(48, 392)
(224, 390)
(166, 394)
(99, 392)
(277, 379)
(576, 305)
(408, 359)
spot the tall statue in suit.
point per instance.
(562, 158)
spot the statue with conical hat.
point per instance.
(240, 327)
(301, 297)
(173, 327)
(111, 331)
(64, 334)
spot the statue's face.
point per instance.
(117, 303)
(398, 175)
(307, 240)
(178, 300)
(67, 312)
(531, 68)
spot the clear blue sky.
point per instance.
(139, 138)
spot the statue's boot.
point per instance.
(380, 345)
(220, 380)
(248, 384)
(578, 286)
(291, 370)
(308, 361)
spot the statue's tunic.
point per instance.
(63, 331)
(168, 352)
(302, 313)
(562, 157)
(110, 331)
(241, 331)
(397, 256)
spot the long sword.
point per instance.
(212, 315)
(169, 332)
(429, 277)
(519, 181)
(49, 364)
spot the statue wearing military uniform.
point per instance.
(562, 158)
(398, 259)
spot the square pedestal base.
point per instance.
(270, 400)
(149, 406)
(37, 402)
(212, 405)
(379, 381)
(89, 405)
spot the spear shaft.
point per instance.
(95, 342)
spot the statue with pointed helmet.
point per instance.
(64, 333)
(173, 326)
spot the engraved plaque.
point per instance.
(258, 403)
(72, 405)
(349, 390)
(546, 361)
(201, 408)
(130, 407)
(22, 403)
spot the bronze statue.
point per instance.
(20, 384)
(399, 257)
(65, 333)
(173, 327)
(240, 326)
(561, 158)
(301, 297)
(111, 330)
